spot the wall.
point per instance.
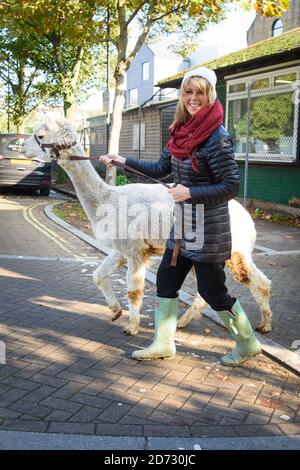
(151, 117)
(261, 28)
(134, 76)
(273, 184)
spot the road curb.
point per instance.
(271, 348)
(21, 440)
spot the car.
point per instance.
(18, 170)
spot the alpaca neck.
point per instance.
(91, 190)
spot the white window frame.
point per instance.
(145, 70)
(279, 30)
(133, 93)
(272, 90)
(135, 136)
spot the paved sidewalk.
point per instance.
(283, 268)
(69, 368)
(69, 371)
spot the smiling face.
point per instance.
(194, 97)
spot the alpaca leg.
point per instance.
(193, 312)
(247, 273)
(102, 280)
(260, 287)
(135, 283)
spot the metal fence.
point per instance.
(263, 122)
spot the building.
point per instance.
(151, 64)
(264, 80)
(264, 27)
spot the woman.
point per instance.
(200, 155)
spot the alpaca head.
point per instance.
(53, 131)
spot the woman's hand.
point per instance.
(180, 193)
(109, 158)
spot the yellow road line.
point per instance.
(30, 218)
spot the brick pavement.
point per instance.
(69, 369)
(284, 271)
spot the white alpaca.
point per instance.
(97, 199)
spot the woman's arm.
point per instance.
(159, 169)
(224, 168)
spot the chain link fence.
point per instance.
(263, 122)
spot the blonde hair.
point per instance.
(181, 115)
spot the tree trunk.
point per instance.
(116, 124)
(70, 87)
(69, 105)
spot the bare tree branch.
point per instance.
(135, 12)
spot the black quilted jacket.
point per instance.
(206, 228)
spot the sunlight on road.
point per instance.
(8, 273)
(93, 310)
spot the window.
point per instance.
(260, 83)
(277, 28)
(273, 117)
(99, 138)
(145, 71)
(136, 142)
(237, 87)
(93, 136)
(16, 145)
(133, 97)
(285, 79)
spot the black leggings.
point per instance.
(210, 279)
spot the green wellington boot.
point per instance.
(241, 331)
(166, 312)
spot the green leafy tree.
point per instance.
(26, 87)
(61, 34)
(265, 123)
(154, 18)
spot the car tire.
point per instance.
(45, 191)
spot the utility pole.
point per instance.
(8, 94)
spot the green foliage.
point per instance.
(265, 123)
(56, 39)
(58, 212)
(54, 48)
(121, 180)
(62, 176)
(271, 7)
(276, 217)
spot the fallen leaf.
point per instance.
(270, 403)
(206, 330)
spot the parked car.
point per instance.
(18, 170)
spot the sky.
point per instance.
(229, 35)
(223, 38)
(232, 30)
